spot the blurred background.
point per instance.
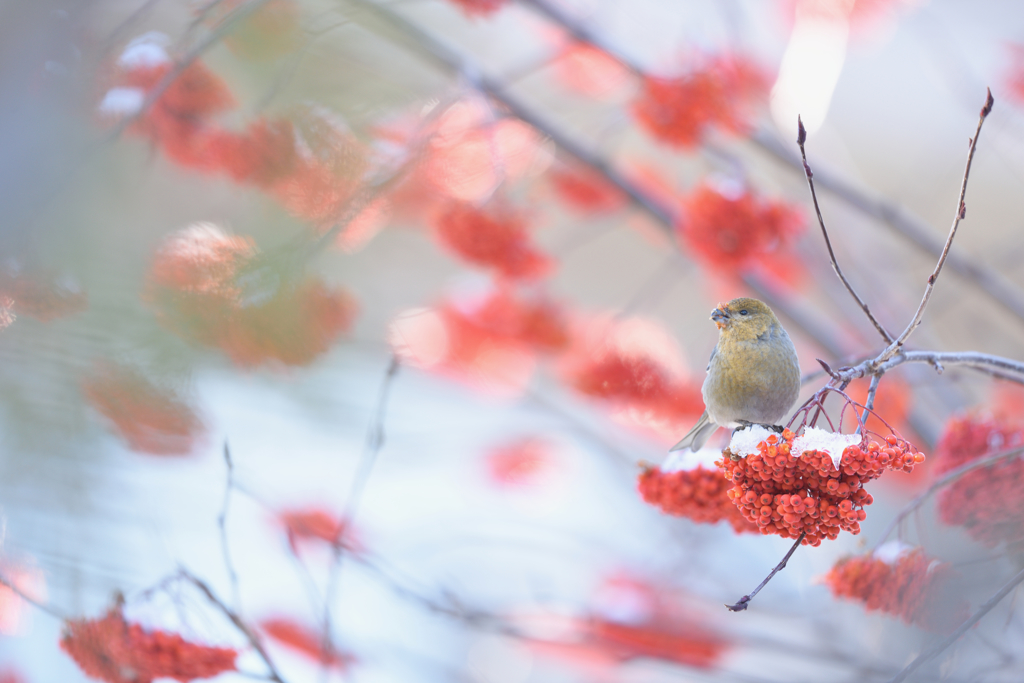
(436, 274)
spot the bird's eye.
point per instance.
(743, 312)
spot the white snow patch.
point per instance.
(122, 101)
(684, 460)
(892, 551)
(148, 50)
(744, 442)
(814, 439)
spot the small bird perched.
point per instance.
(753, 375)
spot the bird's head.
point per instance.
(744, 318)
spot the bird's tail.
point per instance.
(696, 437)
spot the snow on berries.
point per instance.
(787, 491)
(692, 488)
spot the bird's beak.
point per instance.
(721, 316)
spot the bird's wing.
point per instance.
(696, 437)
(714, 352)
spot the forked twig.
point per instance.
(744, 602)
(961, 213)
(936, 649)
(801, 138)
(236, 619)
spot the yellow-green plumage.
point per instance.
(753, 375)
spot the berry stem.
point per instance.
(744, 602)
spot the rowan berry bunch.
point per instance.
(908, 586)
(985, 501)
(699, 494)
(788, 492)
(114, 650)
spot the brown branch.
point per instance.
(961, 213)
(235, 619)
(942, 482)
(744, 602)
(914, 229)
(937, 649)
(800, 140)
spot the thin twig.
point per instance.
(801, 138)
(869, 402)
(236, 595)
(235, 619)
(42, 607)
(374, 443)
(944, 481)
(961, 213)
(744, 602)
(936, 649)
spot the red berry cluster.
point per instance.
(116, 651)
(585, 190)
(194, 284)
(787, 495)
(719, 93)
(305, 641)
(729, 232)
(149, 418)
(910, 588)
(494, 237)
(699, 494)
(985, 501)
(39, 296)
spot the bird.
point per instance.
(753, 374)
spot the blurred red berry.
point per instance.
(985, 501)
(585, 190)
(909, 586)
(519, 463)
(149, 418)
(718, 93)
(116, 651)
(495, 237)
(480, 8)
(305, 641)
(730, 231)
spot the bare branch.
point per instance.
(942, 482)
(744, 602)
(961, 213)
(229, 484)
(800, 140)
(937, 649)
(237, 620)
(374, 442)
